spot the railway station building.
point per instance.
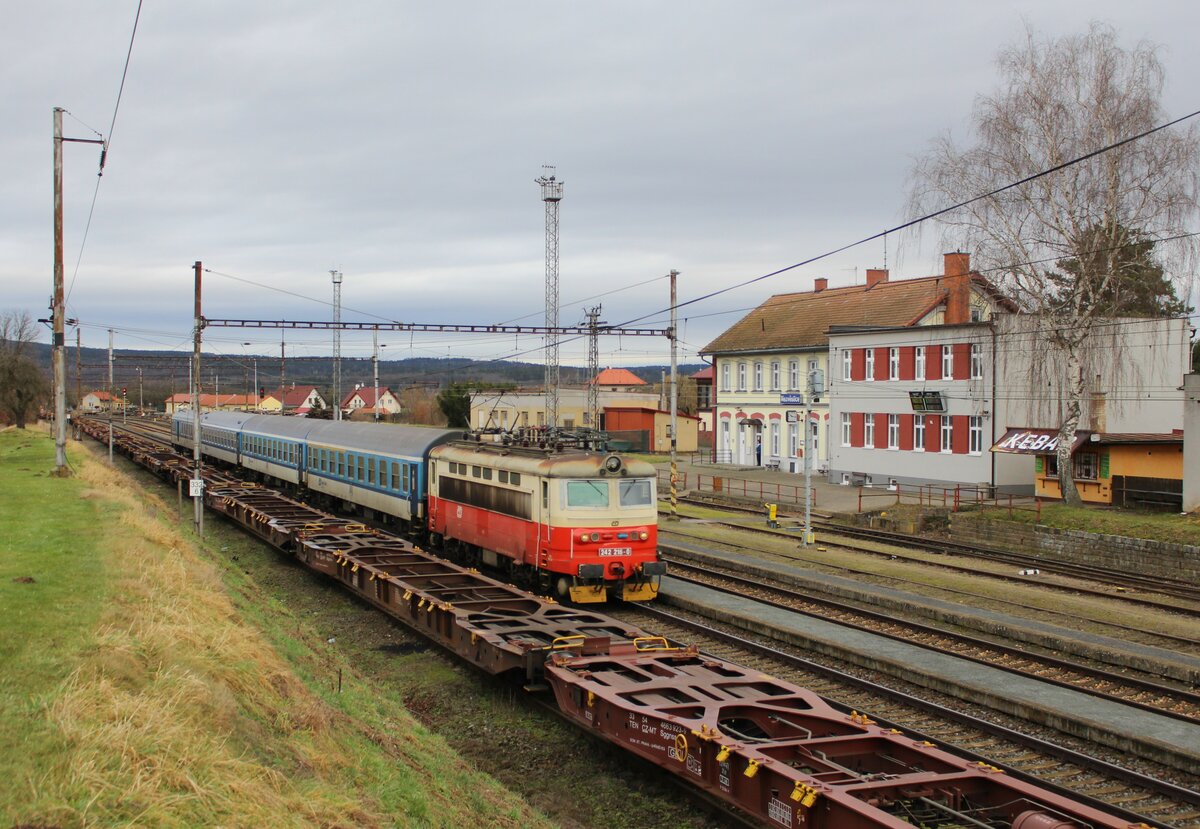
(775, 368)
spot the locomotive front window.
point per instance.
(635, 493)
(587, 493)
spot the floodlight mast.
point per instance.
(552, 193)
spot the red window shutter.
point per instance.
(962, 364)
(906, 427)
(908, 363)
(880, 431)
(933, 362)
(933, 433)
(961, 437)
(858, 364)
(881, 364)
(856, 428)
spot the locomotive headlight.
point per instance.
(643, 535)
(595, 536)
(612, 463)
(583, 537)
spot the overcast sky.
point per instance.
(399, 143)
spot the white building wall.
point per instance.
(966, 397)
(770, 385)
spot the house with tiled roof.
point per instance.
(211, 402)
(772, 367)
(96, 401)
(297, 400)
(619, 379)
(366, 400)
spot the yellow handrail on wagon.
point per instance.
(652, 643)
(563, 642)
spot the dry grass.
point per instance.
(178, 713)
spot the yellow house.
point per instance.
(1119, 469)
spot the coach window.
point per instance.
(370, 470)
(514, 478)
(591, 494)
(412, 477)
(361, 476)
(487, 474)
(476, 472)
(341, 464)
(502, 476)
(395, 476)
(635, 493)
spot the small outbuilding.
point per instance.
(1124, 469)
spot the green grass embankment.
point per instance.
(134, 691)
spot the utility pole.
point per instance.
(59, 310)
(78, 371)
(141, 402)
(674, 516)
(375, 360)
(196, 487)
(552, 193)
(112, 396)
(337, 343)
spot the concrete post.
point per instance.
(1191, 442)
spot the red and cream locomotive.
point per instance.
(570, 523)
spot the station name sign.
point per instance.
(791, 400)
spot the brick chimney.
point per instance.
(957, 268)
(875, 276)
(956, 264)
(820, 284)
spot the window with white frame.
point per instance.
(893, 364)
(814, 438)
(893, 431)
(845, 428)
(947, 362)
(724, 376)
(847, 364)
(869, 431)
(976, 361)
(919, 362)
(793, 375)
(870, 369)
(741, 377)
(919, 433)
(947, 433)
(976, 433)
(758, 371)
(775, 438)
(774, 375)
(794, 440)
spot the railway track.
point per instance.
(1141, 797)
(1176, 702)
(837, 533)
(1131, 632)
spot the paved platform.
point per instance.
(1067, 641)
(1165, 740)
(829, 497)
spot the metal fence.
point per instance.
(954, 498)
(759, 491)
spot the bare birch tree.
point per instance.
(1060, 99)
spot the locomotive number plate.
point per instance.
(616, 551)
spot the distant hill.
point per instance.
(163, 369)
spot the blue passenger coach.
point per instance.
(377, 467)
